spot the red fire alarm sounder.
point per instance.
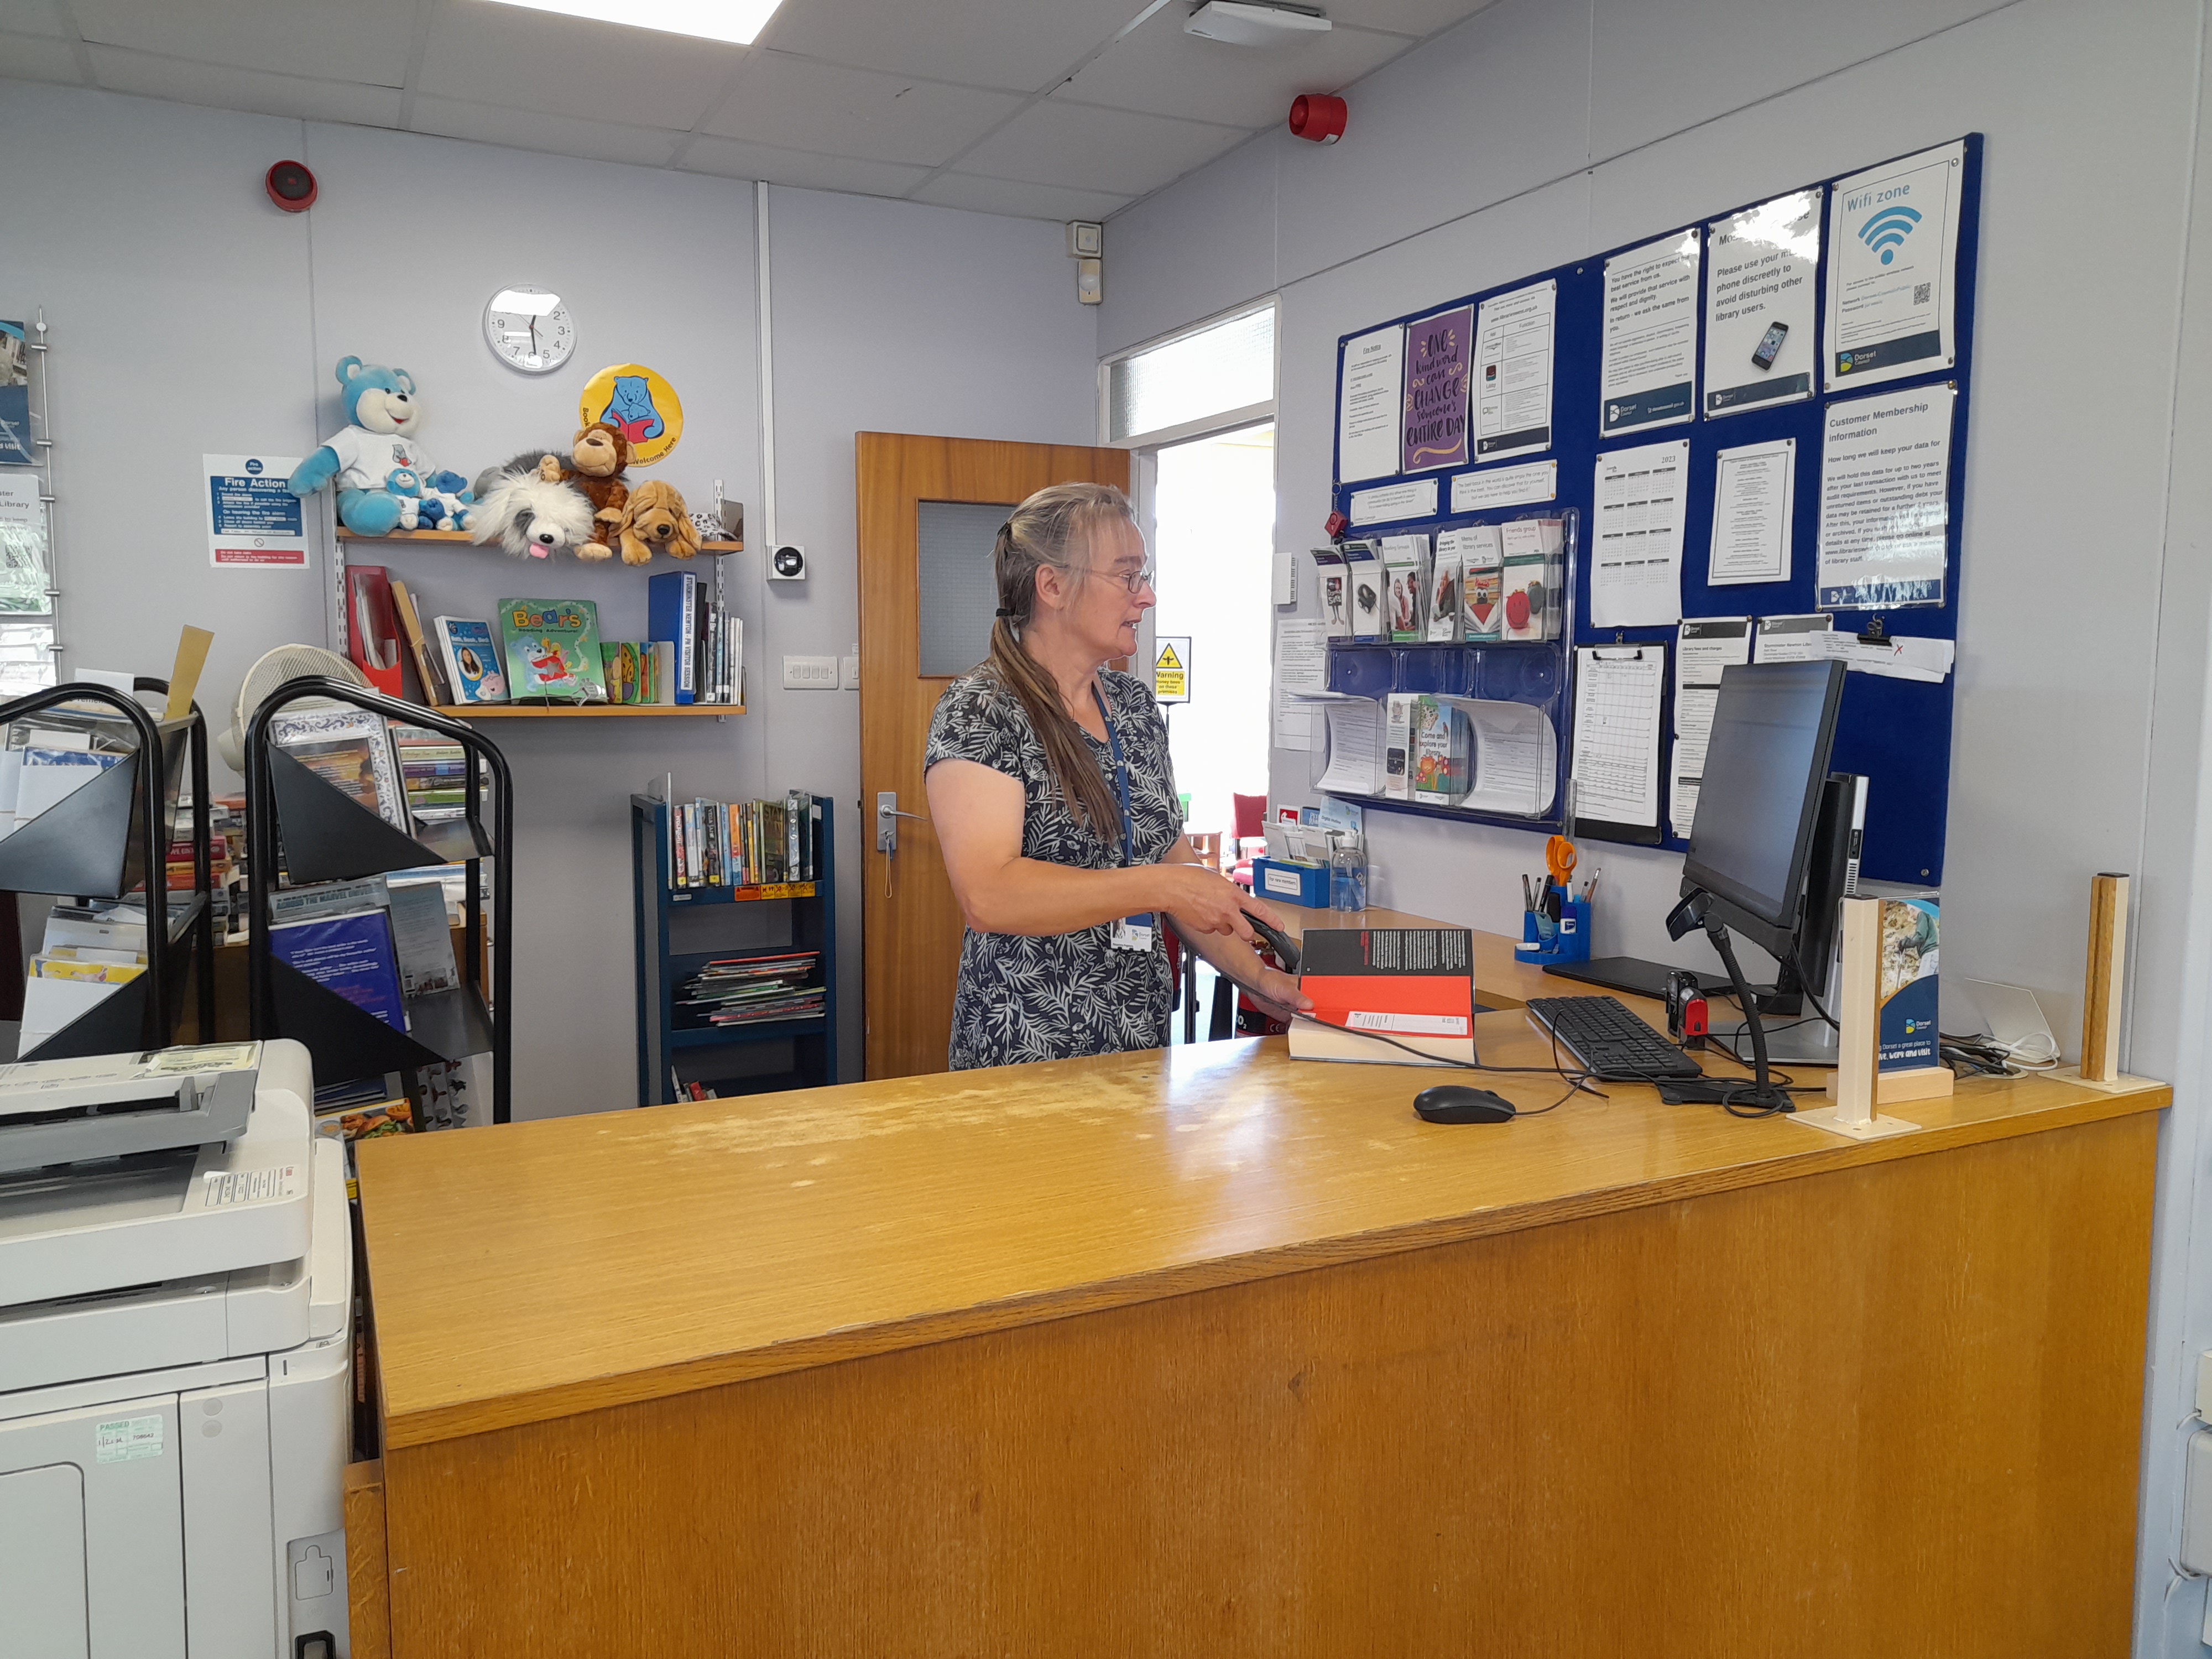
(291, 186)
(1318, 116)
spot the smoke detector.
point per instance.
(1255, 23)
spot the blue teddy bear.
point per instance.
(383, 411)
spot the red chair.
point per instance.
(1250, 812)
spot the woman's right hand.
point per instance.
(1205, 901)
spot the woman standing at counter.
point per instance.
(1054, 800)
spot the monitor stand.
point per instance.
(1813, 1044)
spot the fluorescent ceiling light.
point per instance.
(735, 20)
(1244, 23)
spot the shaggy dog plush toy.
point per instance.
(529, 516)
(654, 518)
(597, 457)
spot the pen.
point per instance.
(1527, 896)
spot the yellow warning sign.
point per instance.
(1171, 670)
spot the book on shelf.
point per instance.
(752, 990)
(671, 601)
(552, 650)
(428, 668)
(433, 770)
(742, 844)
(471, 659)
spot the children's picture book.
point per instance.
(1442, 744)
(349, 749)
(552, 650)
(471, 659)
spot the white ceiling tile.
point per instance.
(1017, 43)
(532, 129)
(534, 60)
(1419, 18)
(798, 103)
(363, 41)
(1059, 141)
(262, 94)
(28, 17)
(27, 58)
(965, 190)
(1163, 71)
(730, 158)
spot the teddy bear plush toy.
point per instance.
(382, 413)
(597, 457)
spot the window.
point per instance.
(1221, 373)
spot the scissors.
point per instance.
(1559, 859)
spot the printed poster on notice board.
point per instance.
(1438, 347)
(254, 523)
(1647, 373)
(1367, 410)
(1893, 269)
(1513, 355)
(1885, 500)
(1761, 267)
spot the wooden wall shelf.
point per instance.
(585, 710)
(462, 535)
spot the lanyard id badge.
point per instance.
(1130, 933)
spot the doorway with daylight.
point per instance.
(1198, 411)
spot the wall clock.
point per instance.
(529, 329)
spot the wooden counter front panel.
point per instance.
(1887, 1410)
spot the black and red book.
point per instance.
(1414, 986)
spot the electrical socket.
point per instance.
(809, 673)
(848, 677)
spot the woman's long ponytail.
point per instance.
(1046, 530)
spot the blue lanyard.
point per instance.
(1120, 774)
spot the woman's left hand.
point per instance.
(1278, 993)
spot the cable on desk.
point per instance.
(1576, 1082)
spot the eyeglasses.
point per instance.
(1135, 580)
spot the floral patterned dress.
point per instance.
(1022, 999)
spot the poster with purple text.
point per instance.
(1438, 351)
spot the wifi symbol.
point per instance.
(1887, 229)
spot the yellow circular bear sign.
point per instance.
(632, 397)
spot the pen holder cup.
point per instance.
(1570, 941)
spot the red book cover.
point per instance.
(1413, 985)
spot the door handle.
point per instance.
(887, 818)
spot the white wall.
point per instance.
(189, 315)
(1538, 133)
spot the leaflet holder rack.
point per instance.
(108, 837)
(326, 836)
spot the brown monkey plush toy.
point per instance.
(599, 455)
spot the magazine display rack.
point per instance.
(101, 840)
(326, 836)
(670, 1056)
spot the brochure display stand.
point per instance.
(319, 835)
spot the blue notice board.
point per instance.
(1896, 731)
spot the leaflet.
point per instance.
(1705, 646)
(1791, 639)
(1355, 748)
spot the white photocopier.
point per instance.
(175, 1358)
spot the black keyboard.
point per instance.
(1610, 1041)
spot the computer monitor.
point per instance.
(1759, 798)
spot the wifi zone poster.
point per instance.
(1893, 269)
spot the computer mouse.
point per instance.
(1457, 1102)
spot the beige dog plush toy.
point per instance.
(653, 518)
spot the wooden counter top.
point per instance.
(536, 1270)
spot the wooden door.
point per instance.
(911, 927)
